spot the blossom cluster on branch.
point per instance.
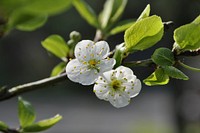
(92, 65)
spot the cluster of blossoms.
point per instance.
(93, 66)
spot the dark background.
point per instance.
(163, 109)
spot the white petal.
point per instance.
(124, 70)
(101, 91)
(73, 69)
(120, 100)
(84, 50)
(137, 88)
(106, 64)
(88, 77)
(102, 49)
(107, 75)
(78, 72)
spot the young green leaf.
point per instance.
(8, 6)
(42, 125)
(187, 36)
(33, 24)
(56, 45)
(174, 73)
(197, 20)
(35, 6)
(144, 34)
(25, 21)
(47, 6)
(122, 26)
(106, 13)
(119, 7)
(159, 77)
(145, 13)
(29, 15)
(86, 12)
(58, 69)
(112, 11)
(26, 113)
(3, 126)
(163, 57)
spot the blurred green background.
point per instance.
(174, 108)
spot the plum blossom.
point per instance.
(117, 86)
(91, 60)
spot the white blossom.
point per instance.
(117, 86)
(91, 60)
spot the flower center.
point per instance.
(116, 84)
(92, 63)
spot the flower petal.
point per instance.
(88, 77)
(78, 72)
(120, 100)
(137, 88)
(84, 50)
(101, 91)
(106, 64)
(123, 72)
(107, 76)
(101, 49)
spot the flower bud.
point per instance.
(76, 36)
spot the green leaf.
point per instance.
(86, 12)
(28, 15)
(9, 6)
(188, 36)
(145, 13)
(42, 125)
(35, 6)
(197, 20)
(58, 69)
(112, 11)
(32, 24)
(144, 33)
(122, 26)
(26, 113)
(3, 126)
(174, 73)
(163, 57)
(56, 45)
(49, 7)
(118, 9)
(26, 22)
(159, 77)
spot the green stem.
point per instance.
(118, 56)
(188, 67)
(141, 63)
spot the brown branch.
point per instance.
(17, 90)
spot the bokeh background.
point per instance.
(174, 108)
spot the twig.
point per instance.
(168, 25)
(143, 63)
(98, 36)
(14, 91)
(190, 53)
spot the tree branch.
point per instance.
(141, 63)
(14, 91)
